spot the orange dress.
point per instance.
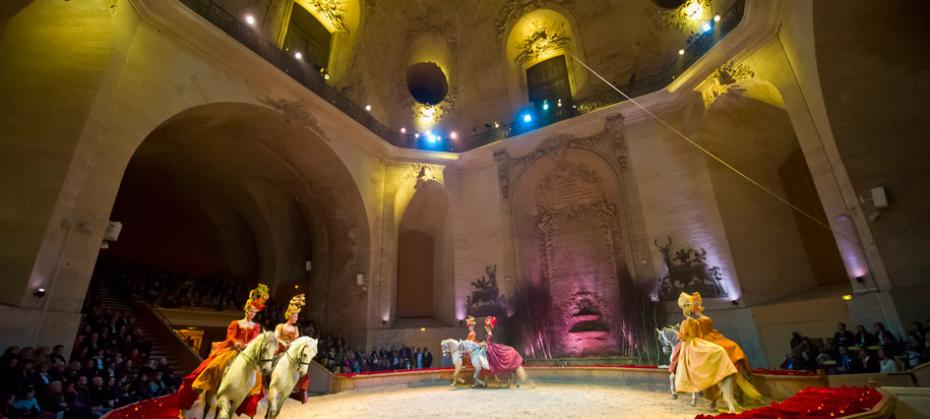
(701, 363)
(736, 355)
(208, 375)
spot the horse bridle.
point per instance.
(257, 363)
(294, 362)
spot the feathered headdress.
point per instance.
(297, 303)
(491, 321)
(697, 301)
(257, 298)
(470, 321)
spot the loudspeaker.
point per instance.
(113, 229)
(879, 199)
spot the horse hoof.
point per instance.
(674, 397)
(693, 403)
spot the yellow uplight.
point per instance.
(847, 297)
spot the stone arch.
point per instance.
(537, 35)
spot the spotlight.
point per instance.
(706, 27)
(527, 118)
(716, 18)
(417, 135)
(368, 108)
(422, 329)
(250, 20)
(298, 55)
(559, 103)
(39, 292)
(497, 124)
(545, 105)
(860, 279)
(847, 297)
(430, 137)
(325, 76)
(453, 135)
(681, 51)
(403, 130)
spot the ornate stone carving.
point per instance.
(332, 10)
(556, 147)
(544, 39)
(297, 111)
(724, 78)
(688, 272)
(680, 17)
(485, 298)
(514, 9)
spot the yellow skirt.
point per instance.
(701, 364)
(209, 379)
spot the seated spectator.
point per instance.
(885, 338)
(797, 341)
(866, 362)
(863, 338)
(26, 405)
(806, 362)
(886, 363)
(843, 337)
(6, 411)
(52, 399)
(844, 362)
(788, 363)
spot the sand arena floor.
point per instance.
(544, 401)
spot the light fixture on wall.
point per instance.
(39, 292)
(847, 297)
(367, 108)
(716, 18)
(681, 52)
(298, 55)
(250, 20)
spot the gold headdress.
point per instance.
(297, 303)
(697, 301)
(686, 303)
(257, 298)
(470, 321)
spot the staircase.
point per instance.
(164, 345)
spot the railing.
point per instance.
(697, 46)
(301, 71)
(313, 80)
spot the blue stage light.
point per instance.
(545, 105)
(527, 118)
(706, 27)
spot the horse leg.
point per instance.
(478, 377)
(693, 399)
(726, 388)
(455, 375)
(671, 382)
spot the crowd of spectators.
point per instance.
(849, 352)
(172, 289)
(109, 367)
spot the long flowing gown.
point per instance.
(209, 374)
(502, 359)
(701, 363)
(736, 355)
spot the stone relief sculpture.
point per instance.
(485, 298)
(514, 9)
(688, 272)
(721, 80)
(545, 38)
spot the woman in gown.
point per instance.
(287, 333)
(502, 359)
(239, 333)
(701, 363)
(734, 352)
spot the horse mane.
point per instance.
(259, 340)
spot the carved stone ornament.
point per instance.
(687, 272)
(545, 39)
(724, 78)
(295, 110)
(610, 140)
(486, 298)
(680, 17)
(332, 10)
(513, 10)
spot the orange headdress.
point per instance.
(297, 303)
(490, 321)
(257, 298)
(470, 321)
(697, 301)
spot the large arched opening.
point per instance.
(244, 193)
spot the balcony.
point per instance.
(698, 44)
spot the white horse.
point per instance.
(479, 359)
(239, 378)
(668, 337)
(287, 371)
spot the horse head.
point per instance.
(265, 346)
(302, 352)
(450, 346)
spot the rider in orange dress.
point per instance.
(209, 374)
(288, 333)
(734, 352)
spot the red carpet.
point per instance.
(165, 407)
